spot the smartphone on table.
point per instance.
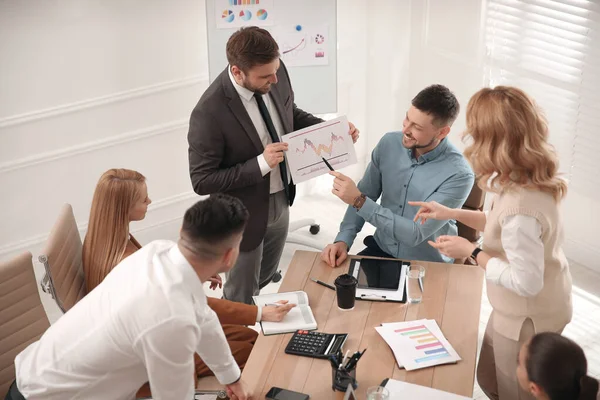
(283, 394)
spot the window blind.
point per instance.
(551, 49)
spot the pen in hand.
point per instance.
(274, 304)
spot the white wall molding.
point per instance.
(33, 241)
(94, 145)
(583, 254)
(101, 100)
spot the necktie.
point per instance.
(264, 112)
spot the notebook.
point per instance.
(299, 317)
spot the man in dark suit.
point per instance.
(235, 148)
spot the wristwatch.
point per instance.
(359, 201)
(475, 253)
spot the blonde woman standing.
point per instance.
(527, 274)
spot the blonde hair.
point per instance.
(108, 228)
(510, 146)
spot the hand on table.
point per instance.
(238, 391)
(335, 254)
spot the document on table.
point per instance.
(418, 344)
(403, 390)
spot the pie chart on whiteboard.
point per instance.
(227, 16)
(262, 14)
(245, 15)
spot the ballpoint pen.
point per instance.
(344, 360)
(375, 297)
(327, 163)
(274, 304)
(355, 357)
(323, 283)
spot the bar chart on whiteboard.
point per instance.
(307, 148)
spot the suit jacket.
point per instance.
(228, 312)
(224, 144)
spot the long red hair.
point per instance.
(108, 228)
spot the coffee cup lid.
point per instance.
(346, 280)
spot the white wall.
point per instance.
(87, 85)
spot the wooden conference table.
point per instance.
(452, 296)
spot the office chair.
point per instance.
(63, 263)
(22, 316)
(475, 201)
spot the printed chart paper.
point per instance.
(418, 344)
(237, 13)
(307, 148)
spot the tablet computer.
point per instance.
(377, 274)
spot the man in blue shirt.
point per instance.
(417, 164)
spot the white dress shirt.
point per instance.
(142, 323)
(523, 272)
(251, 106)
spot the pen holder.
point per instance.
(342, 378)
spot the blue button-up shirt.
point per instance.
(397, 177)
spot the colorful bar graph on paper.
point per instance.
(243, 2)
(424, 341)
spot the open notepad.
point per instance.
(299, 317)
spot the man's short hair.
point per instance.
(439, 102)
(214, 220)
(251, 46)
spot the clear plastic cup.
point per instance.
(378, 393)
(414, 284)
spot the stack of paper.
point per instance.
(418, 344)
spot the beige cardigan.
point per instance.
(551, 309)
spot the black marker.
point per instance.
(328, 165)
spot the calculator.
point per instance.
(315, 344)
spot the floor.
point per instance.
(328, 212)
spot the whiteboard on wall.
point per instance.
(306, 31)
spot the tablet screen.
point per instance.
(379, 274)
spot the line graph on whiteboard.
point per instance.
(303, 46)
(308, 147)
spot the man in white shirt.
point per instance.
(145, 321)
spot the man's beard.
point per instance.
(419, 146)
(261, 90)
